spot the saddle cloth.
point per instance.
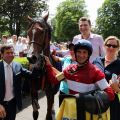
(68, 111)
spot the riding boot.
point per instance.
(35, 115)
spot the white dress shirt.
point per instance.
(8, 81)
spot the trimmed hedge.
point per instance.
(23, 60)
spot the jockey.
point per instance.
(84, 77)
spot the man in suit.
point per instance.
(10, 84)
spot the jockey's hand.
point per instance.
(115, 86)
(47, 60)
(2, 112)
(53, 52)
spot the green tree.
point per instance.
(66, 19)
(108, 19)
(13, 14)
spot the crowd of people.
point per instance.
(87, 63)
(105, 56)
(19, 43)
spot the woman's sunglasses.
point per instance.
(113, 46)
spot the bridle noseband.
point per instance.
(33, 41)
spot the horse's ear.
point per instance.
(45, 17)
(29, 18)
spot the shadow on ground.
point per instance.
(27, 101)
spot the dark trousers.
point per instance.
(115, 109)
(61, 98)
(10, 108)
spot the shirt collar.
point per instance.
(5, 64)
(91, 36)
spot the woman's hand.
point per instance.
(115, 86)
(2, 112)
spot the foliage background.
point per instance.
(13, 14)
(13, 17)
(66, 20)
(23, 60)
(108, 19)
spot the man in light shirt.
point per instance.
(95, 39)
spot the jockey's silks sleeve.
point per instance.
(51, 75)
(85, 79)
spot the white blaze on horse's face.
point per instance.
(33, 31)
(30, 51)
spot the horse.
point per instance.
(39, 33)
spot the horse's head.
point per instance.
(39, 33)
(39, 36)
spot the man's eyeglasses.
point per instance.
(113, 46)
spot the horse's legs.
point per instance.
(35, 104)
(50, 102)
(35, 115)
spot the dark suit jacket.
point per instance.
(18, 72)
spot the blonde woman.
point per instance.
(110, 65)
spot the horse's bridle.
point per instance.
(33, 41)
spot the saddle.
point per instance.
(97, 102)
(94, 102)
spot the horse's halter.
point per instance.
(31, 43)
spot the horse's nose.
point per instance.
(32, 59)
